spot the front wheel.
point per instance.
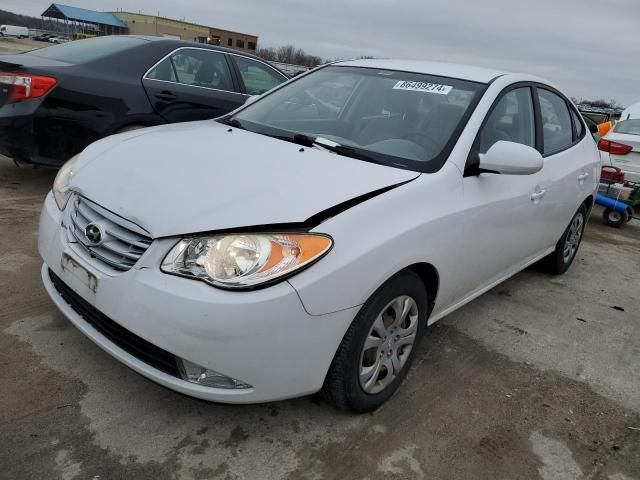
(378, 349)
(561, 258)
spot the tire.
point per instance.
(630, 214)
(613, 218)
(559, 261)
(343, 385)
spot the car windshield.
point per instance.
(631, 127)
(87, 50)
(400, 119)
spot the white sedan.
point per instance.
(621, 148)
(306, 241)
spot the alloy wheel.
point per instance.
(574, 235)
(388, 344)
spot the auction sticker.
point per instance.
(423, 87)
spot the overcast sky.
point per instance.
(589, 48)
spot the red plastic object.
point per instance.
(611, 175)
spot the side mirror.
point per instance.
(510, 158)
(251, 99)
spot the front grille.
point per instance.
(147, 352)
(120, 246)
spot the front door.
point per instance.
(503, 212)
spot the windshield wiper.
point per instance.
(326, 144)
(335, 147)
(234, 123)
(298, 139)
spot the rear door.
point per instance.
(567, 173)
(192, 84)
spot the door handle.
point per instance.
(582, 177)
(168, 96)
(535, 196)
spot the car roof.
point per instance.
(451, 70)
(186, 43)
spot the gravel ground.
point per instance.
(538, 378)
(15, 45)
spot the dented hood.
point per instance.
(202, 176)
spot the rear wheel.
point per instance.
(562, 257)
(378, 349)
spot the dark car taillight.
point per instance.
(23, 86)
(616, 148)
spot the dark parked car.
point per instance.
(43, 37)
(57, 100)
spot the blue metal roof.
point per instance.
(83, 15)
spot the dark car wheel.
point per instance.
(559, 261)
(379, 347)
(613, 218)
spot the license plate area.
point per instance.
(79, 278)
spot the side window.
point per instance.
(201, 68)
(578, 125)
(257, 77)
(511, 119)
(557, 132)
(163, 71)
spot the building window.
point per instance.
(251, 45)
(239, 43)
(230, 42)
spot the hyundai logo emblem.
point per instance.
(93, 233)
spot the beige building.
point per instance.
(239, 41)
(141, 24)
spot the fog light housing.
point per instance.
(200, 375)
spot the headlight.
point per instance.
(245, 260)
(60, 189)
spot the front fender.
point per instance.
(376, 239)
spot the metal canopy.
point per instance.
(75, 14)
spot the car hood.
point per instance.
(203, 176)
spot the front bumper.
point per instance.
(264, 338)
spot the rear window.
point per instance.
(82, 51)
(630, 127)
